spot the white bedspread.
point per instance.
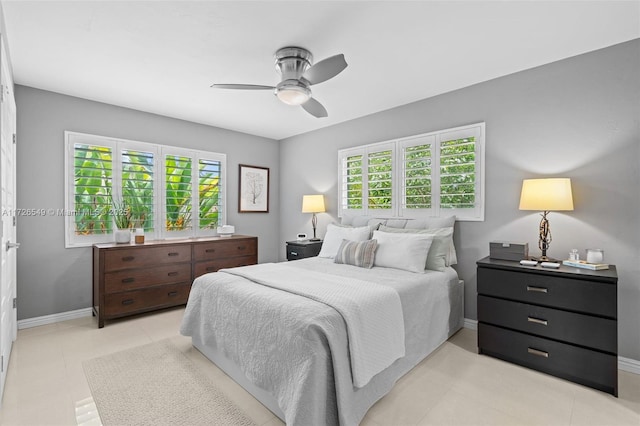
(297, 349)
(372, 312)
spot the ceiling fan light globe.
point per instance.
(294, 95)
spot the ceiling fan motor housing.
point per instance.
(291, 63)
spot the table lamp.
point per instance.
(313, 204)
(550, 194)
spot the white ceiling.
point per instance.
(162, 56)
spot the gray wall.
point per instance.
(52, 279)
(576, 118)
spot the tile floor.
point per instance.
(453, 386)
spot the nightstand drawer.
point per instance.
(584, 330)
(115, 260)
(131, 279)
(303, 249)
(588, 367)
(592, 297)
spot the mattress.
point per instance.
(292, 352)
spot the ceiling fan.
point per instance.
(295, 65)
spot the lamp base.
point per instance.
(544, 259)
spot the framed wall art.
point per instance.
(253, 186)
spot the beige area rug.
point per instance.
(156, 384)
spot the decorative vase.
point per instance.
(139, 236)
(122, 236)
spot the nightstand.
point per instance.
(302, 249)
(559, 321)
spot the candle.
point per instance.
(595, 255)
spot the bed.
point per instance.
(292, 351)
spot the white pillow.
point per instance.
(440, 247)
(402, 251)
(335, 234)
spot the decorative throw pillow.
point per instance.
(357, 253)
(439, 250)
(335, 234)
(402, 251)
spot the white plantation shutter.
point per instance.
(366, 180)
(434, 174)
(461, 174)
(211, 193)
(417, 175)
(139, 185)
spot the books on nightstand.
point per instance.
(585, 265)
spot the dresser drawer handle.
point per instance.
(538, 352)
(173, 254)
(128, 258)
(210, 250)
(537, 289)
(127, 301)
(172, 274)
(172, 293)
(242, 247)
(537, 321)
(211, 268)
(128, 280)
(293, 253)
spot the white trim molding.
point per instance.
(53, 318)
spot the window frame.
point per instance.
(398, 209)
(159, 152)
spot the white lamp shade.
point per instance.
(313, 203)
(550, 194)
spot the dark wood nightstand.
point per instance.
(302, 249)
(559, 321)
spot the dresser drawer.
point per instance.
(231, 248)
(202, 268)
(132, 279)
(593, 297)
(584, 330)
(129, 258)
(146, 299)
(297, 251)
(585, 366)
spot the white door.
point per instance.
(8, 320)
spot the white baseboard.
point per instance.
(629, 365)
(53, 318)
(470, 324)
(624, 364)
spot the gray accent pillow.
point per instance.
(357, 253)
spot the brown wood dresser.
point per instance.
(560, 321)
(130, 279)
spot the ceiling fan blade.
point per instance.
(325, 69)
(242, 86)
(315, 108)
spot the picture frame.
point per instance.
(253, 189)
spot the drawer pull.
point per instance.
(537, 321)
(211, 268)
(293, 253)
(172, 293)
(128, 280)
(537, 289)
(173, 254)
(538, 352)
(242, 247)
(128, 258)
(127, 301)
(210, 250)
(172, 274)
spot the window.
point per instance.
(433, 174)
(160, 185)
